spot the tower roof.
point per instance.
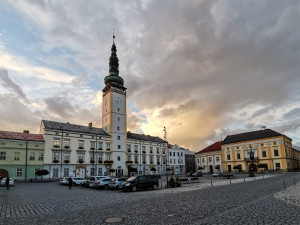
(113, 79)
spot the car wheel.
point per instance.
(105, 186)
(134, 188)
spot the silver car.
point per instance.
(116, 183)
(11, 182)
(94, 180)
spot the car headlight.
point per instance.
(127, 184)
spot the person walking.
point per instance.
(70, 182)
(7, 183)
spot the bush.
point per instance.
(172, 182)
(41, 173)
(178, 182)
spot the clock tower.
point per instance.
(114, 120)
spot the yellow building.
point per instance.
(266, 149)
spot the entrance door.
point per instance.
(211, 170)
(229, 168)
(80, 172)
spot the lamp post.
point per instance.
(251, 153)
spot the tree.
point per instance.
(42, 173)
(153, 169)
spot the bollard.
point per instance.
(284, 184)
(211, 183)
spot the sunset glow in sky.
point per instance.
(203, 69)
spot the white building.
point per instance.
(84, 150)
(176, 159)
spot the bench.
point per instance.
(194, 179)
(228, 175)
(185, 180)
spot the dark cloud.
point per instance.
(293, 114)
(9, 84)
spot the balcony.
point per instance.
(55, 161)
(80, 160)
(144, 162)
(136, 162)
(80, 147)
(92, 148)
(144, 152)
(108, 149)
(251, 159)
(129, 162)
(66, 146)
(66, 161)
(158, 163)
(100, 161)
(136, 151)
(100, 148)
(55, 146)
(92, 161)
(128, 150)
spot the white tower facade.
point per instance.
(114, 120)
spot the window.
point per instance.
(93, 171)
(66, 172)
(80, 144)
(163, 150)
(35, 170)
(157, 150)
(55, 156)
(119, 158)
(55, 172)
(32, 156)
(277, 165)
(93, 144)
(56, 143)
(203, 160)
(237, 147)
(276, 153)
(67, 143)
(170, 153)
(238, 156)
(151, 149)
(67, 156)
(118, 109)
(173, 153)
(261, 144)
(144, 159)
(274, 143)
(144, 149)
(264, 154)
(151, 159)
(107, 156)
(217, 158)
(107, 146)
(178, 161)
(119, 137)
(19, 172)
(177, 153)
(136, 148)
(118, 128)
(128, 147)
(119, 146)
(80, 156)
(118, 118)
(129, 157)
(100, 145)
(198, 161)
(17, 156)
(181, 154)
(228, 157)
(136, 159)
(157, 159)
(210, 159)
(2, 155)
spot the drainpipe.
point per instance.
(26, 158)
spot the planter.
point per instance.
(100, 161)
(136, 151)
(100, 149)
(56, 161)
(92, 148)
(80, 148)
(67, 146)
(136, 162)
(144, 152)
(108, 162)
(66, 161)
(128, 150)
(108, 149)
(55, 146)
(144, 162)
(92, 161)
(80, 161)
(129, 162)
(158, 163)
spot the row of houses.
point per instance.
(255, 151)
(66, 149)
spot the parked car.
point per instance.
(102, 183)
(11, 181)
(140, 182)
(64, 180)
(94, 179)
(78, 180)
(115, 183)
(197, 174)
(86, 183)
(218, 174)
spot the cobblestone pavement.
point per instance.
(261, 201)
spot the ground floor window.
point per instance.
(92, 171)
(277, 165)
(99, 171)
(66, 172)
(19, 172)
(55, 172)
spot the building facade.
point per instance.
(190, 165)
(21, 154)
(176, 159)
(209, 159)
(83, 151)
(259, 150)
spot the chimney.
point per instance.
(26, 131)
(90, 125)
(263, 127)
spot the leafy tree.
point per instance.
(42, 173)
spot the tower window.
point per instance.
(118, 128)
(119, 158)
(119, 137)
(118, 118)
(118, 109)
(119, 146)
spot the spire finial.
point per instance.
(114, 36)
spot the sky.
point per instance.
(202, 69)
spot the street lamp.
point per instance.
(251, 153)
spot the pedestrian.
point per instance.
(70, 182)
(7, 183)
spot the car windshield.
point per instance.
(122, 179)
(131, 179)
(92, 178)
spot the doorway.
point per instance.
(211, 170)
(229, 168)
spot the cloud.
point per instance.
(9, 84)
(203, 69)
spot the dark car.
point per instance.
(140, 182)
(197, 174)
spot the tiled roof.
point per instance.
(21, 136)
(259, 134)
(214, 147)
(143, 137)
(73, 128)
